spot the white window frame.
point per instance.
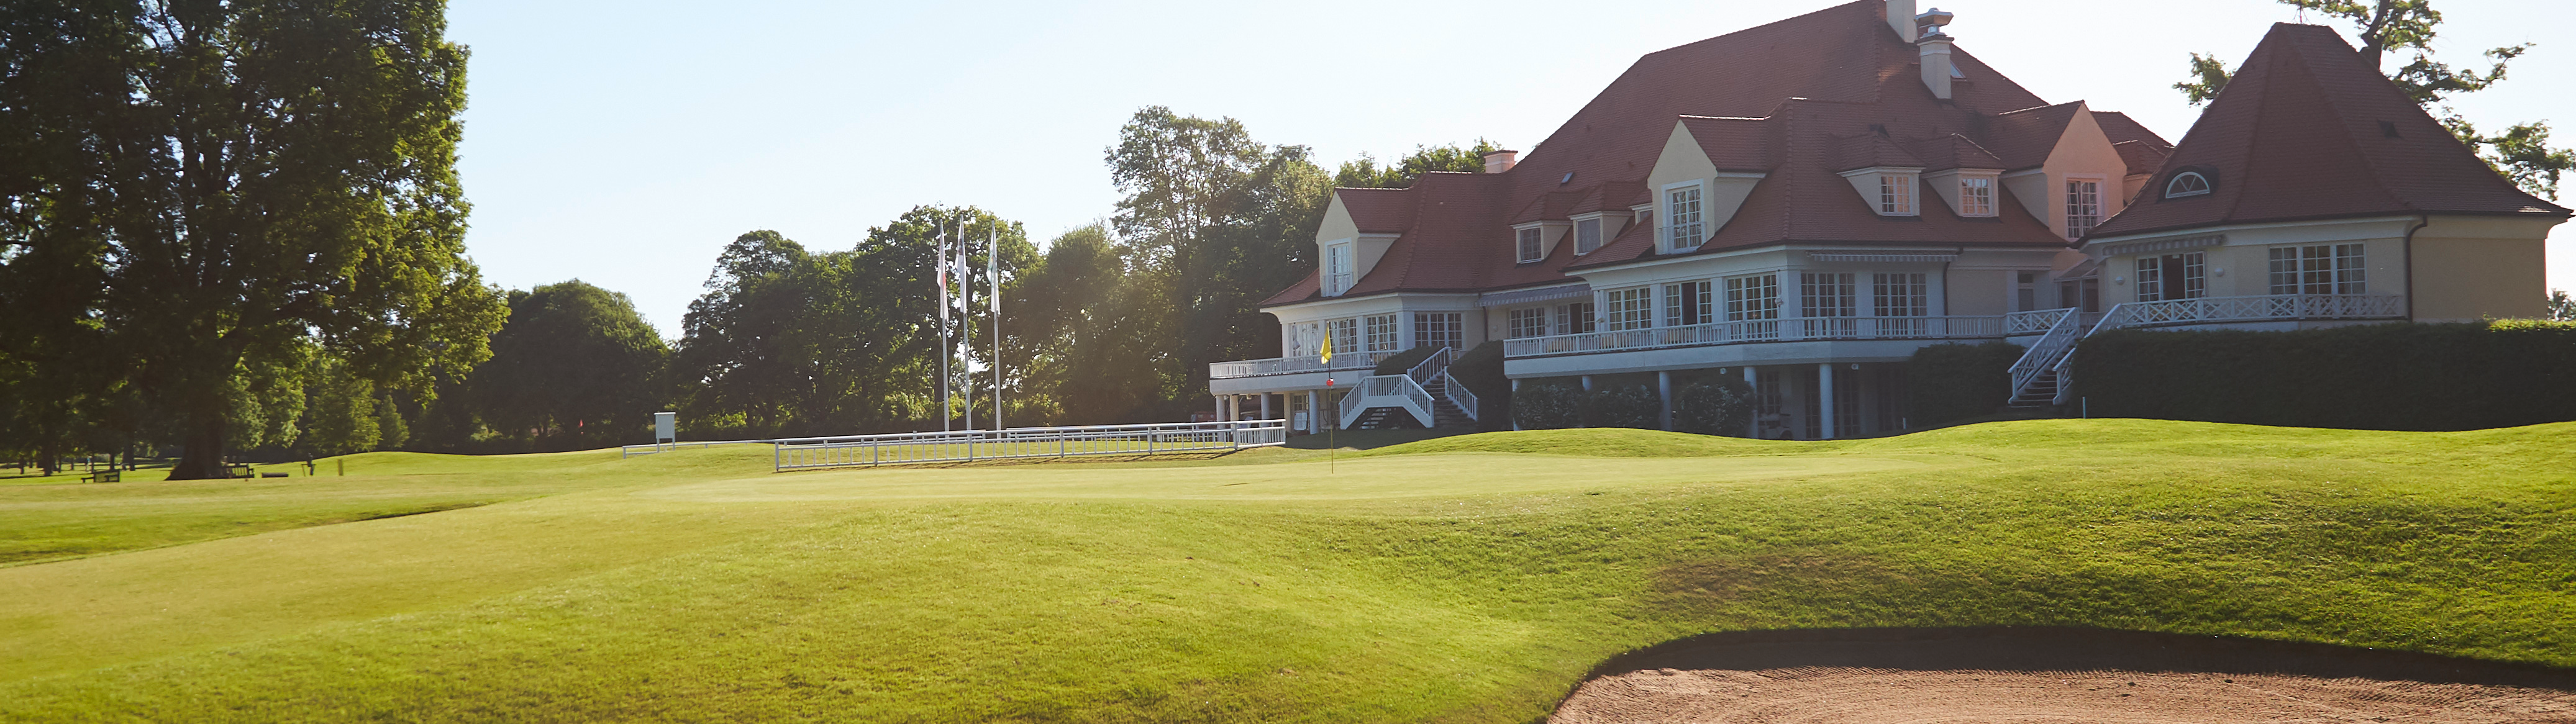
(1576, 318)
(1627, 309)
(1524, 323)
(1976, 195)
(2319, 269)
(1753, 297)
(1828, 294)
(1900, 294)
(1337, 268)
(1685, 220)
(1896, 192)
(1345, 335)
(1529, 244)
(2080, 200)
(1587, 235)
(1689, 303)
(1379, 333)
(1448, 329)
(2205, 186)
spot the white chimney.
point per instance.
(1934, 49)
(1500, 161)
(1900, 17)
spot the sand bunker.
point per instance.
(2047, 676)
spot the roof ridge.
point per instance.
(2041, 108)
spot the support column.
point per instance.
(1265, 406)
(1664, 390)
(1587, 383)
(1220, 407)
(1825, 401)
(1749, 381)
(1314, 415)
(1516, 418)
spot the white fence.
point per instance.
(2253, 309)
(1027, 442)
(1294, 365)
(1762, 330)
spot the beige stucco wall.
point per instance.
(2469, 268)
(2082, 151)
(1979, 291)
(1682, 161)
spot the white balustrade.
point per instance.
(1763, 330)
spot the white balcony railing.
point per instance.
(1294, 365)
(2208, 310)
(1764, 330)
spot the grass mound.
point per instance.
(1418, 583)
(1600, 442)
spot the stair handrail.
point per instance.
(2044, 354)
(1399, 391)
(1435, 364)
(1458, 394)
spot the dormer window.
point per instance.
(1337, 269)
(1530, 249)
(1684, 230)
(2187, 183)
(1976, 196)
(1896, 194)
(1587, 235)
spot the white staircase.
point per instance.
(2040, 377)
(1425, 393)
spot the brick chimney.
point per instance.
(1934, 48)
(1500, 161)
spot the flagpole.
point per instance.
(966, 322)
(993, 276)
(939, 261)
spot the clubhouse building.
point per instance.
(1806, 203)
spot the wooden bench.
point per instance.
(109, 475)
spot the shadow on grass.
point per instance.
(2054, 648)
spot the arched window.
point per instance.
(2187, 183)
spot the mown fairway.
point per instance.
(1459, 579)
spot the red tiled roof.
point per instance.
(1871, 150)
(1766, 99)
(2305, 130)
(1953, 151)
(2141, 157)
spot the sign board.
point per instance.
(665, 427)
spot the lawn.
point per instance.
(1471, 578)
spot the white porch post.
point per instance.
(1749, 381)
(1265, 406)
(1664, 389)
(1314, 415)
(1516, 418)
(1220, 407)
(1587, 383)
(1825, 400)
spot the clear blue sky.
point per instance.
(624, 144)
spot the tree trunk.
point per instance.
(203, 456)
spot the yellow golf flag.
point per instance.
(1328, 349)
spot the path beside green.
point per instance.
(1460, 579)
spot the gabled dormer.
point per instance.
(1358, 227)
(1707, 168)
(2062, 166)
(1963, 174)
(1887, 177)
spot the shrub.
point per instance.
(1401, 362)
(2379, 377)
(1623, 406)
(1546, 406)
(1480, 370)
(1951, 382)
(1714, 406)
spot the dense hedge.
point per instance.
(1952, 382)
(1402, 362)
(1612, 405)
(1714, 406)
(1547, 406)
(1480, 370)
(2374, 377)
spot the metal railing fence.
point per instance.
(1027, 442)
(1293, 365)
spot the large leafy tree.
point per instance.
(1218, 219)
(2521, 152)
(223, 188)
(1100, 340)
(576, 365)
(1364, 172)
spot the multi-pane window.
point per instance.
(1827, 295)
(1345, 334)
(1574, 318)
(1337, 269)
(2025, 291)
(1380, 329)
(1686, 231)
(1896, 194)
(1529, 246)
(1899, 295)
(2174, 276)
(1753, 297)
(1687, 303)
(2083, 206)
(1587, 236)
(2323, 269)
(1438, 329)
(1531, 322)
(1976, 196)
(1629, 308)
